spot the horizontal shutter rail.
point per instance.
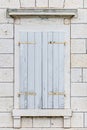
(56, 93)
(53, 42)
(27, 93)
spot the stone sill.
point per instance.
(18, 113)
(42, 12)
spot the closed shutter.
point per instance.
(42, 70)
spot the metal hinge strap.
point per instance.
(27, 93)
(56, 93)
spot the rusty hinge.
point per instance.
(27, 93)
(52, 42)
(56, 93)
(25, 43)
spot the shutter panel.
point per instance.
(23, 70)
(42, 70)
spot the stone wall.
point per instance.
(78, 66)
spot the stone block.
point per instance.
(56, 3)
(6, 46)
(57, 122)
(76, 75)
(6, 120)
(41, 122)
(84, 75)
(6, 75)
(79, 89)
(42, 3)
(73, 4)
(77, 120)
(78, 31)
(6, 104)
(78, 46)
(6, 60)
(6, 31)
(6, 89)
(26, 122)
(79, 103)
(79, 60)
(9, 4)
(27, 3)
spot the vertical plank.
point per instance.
(55, 69)
(49, 70)
(45, 89)
(61, 70)
(31, 69)
(38, 84)
(23, 69)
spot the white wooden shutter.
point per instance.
(42, 70)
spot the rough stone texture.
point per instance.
(84, 75)
(6, 104)
(6, 46)
(78, 31)
(6, 89)
(6, 75)
(6, 31)
(6, 120)
(79, 60)
(27, 122)
(79, 89)
(73, 3)
(41, 122)
(56, 3)
(6, 60)
(78, 46)
(41, 3)
(79, 103)
(56, 122)
(77, 120)
(27, 3)
(76, 75)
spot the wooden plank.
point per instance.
(44, 67)
(55, 69)
(23, 69)
(31, 69)
(38, 84)
(61, 70)
(49, 69)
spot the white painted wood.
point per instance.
(31, 69)
(49, 69)
(44, 69)
(55, 63)
(38, 85)
(61, 69)
(23, 69)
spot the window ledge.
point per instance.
(42, 12)
(18, 113)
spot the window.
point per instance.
(42, 71)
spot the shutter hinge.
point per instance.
(51, 42)
(57, 93)
(27, 93)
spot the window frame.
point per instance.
(66, 113)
